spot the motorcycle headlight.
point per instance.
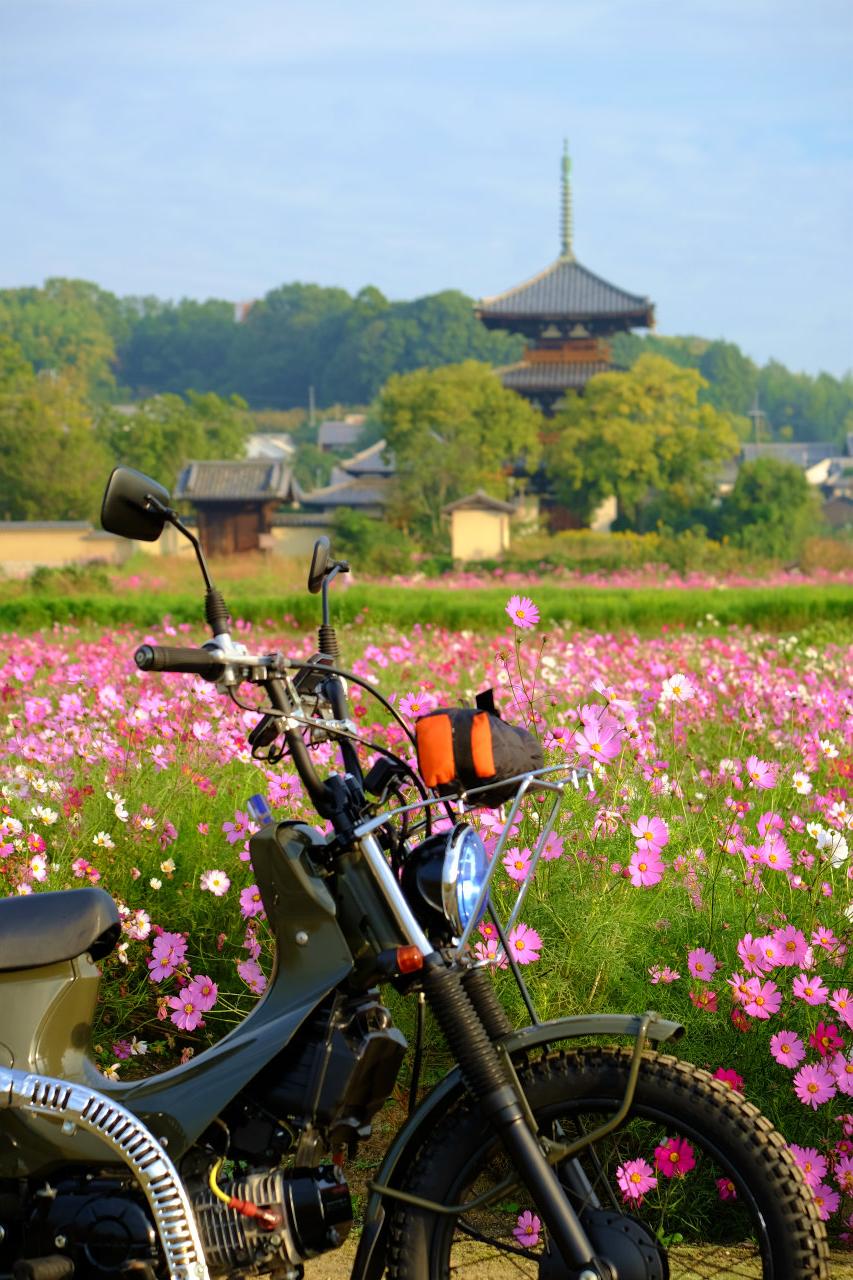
(443, 878)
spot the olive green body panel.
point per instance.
(46, 1017)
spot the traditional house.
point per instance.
(479, 526)
(235, 502)
(362, 482)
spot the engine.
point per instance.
(314, 1211)
(97, 1227)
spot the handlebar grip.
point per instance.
(197, 662)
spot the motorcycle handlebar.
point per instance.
(198, 662)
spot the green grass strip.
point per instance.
(773, 609)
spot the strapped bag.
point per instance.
(460, 748)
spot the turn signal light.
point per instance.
(409, 959)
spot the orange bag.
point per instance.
(460, 748)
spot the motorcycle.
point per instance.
(632, 1165)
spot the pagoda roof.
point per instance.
(566, 291)
(551, 375)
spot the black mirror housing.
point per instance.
(126, 509)
(319, 565)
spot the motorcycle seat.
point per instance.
(45, 928)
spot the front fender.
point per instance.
(370, 1257)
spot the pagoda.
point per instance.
(568, 314)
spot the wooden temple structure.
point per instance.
(568, 315)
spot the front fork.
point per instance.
(471, 1019)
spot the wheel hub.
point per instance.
(622, 1241)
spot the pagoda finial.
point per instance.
(567, 253)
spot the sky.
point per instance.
(220, 148)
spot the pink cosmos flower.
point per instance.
(704, 999)
(665, 975)
(635, 1178)
(842, 1002)
(792, 945)
(814, 1085)
(737, 982)
(762, 775)
(774, 853)
(771, 952)
(787, 1049)
(517, 863)
(702, 964)
(811, 988)
(751, 956)
(844, 1174)
(825, 1039)
(491, 952)
(726, 1189)
(416, 704)
(764, 998)
(825, 938)
(215, 882)
(186, 1013)
(729, 1077)
(650, 833)
(525, 943)
(167, 952)
(812, 1164)
(523, 612)
(528, 1229)
(253, 976)
(645, 870)
(250, 902)
(674, 1157)
(202, 991)
(241, 827)
(601, 740)
(842, 1069)
(827, 1201)
(553, 847)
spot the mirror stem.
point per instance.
(216, 610)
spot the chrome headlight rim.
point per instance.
(450, 873)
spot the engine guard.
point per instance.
(370, 1258)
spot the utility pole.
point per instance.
(311, 408)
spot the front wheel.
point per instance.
(695, 1183)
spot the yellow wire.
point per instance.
(212, 1183)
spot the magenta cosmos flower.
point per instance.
(729, 1077)
(185, 1012)
(842, 1069)
(825, 1039)
(600, 739)
(787, 1049)
(523, 612)
(726, 1189)
(635, 1178)
(827, 1200)
(702, 964)
(675, 1156)
(814, 1085)
(527, 1229)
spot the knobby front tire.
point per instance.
(739, 1207)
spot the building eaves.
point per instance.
(551, 376)
(479, 501)
(565, 291)
(258, 480)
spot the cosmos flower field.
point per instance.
(704, 872)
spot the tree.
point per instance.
(53, 466)
(450, 431)
(64, 329)
(771, 509)
(637, 434)
(166, 432)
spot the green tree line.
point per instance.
(346, 347)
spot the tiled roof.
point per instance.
(547, 376)
(803, 453)
(338, 435)
(259, 480)
(480, 501)
(360, 491)
(370, 461)
(566, 290)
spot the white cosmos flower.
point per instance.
(802, 783)
(677, 688)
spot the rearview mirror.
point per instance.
(319, 565)
(127, 509)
